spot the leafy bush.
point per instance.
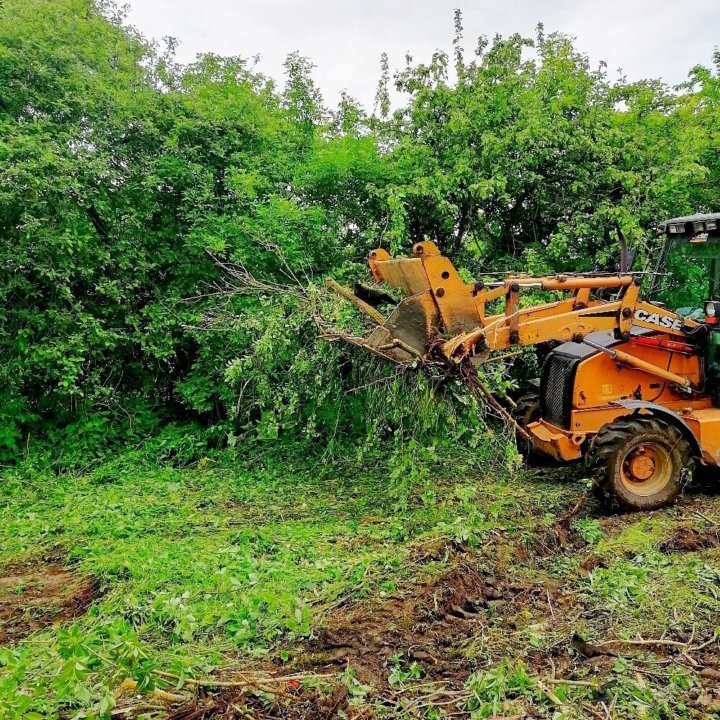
(129, 183)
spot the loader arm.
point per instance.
(441, 311)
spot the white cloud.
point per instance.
(344, 38)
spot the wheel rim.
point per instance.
(646, 469)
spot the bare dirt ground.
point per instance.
(42, 594)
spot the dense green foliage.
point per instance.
(125, 178)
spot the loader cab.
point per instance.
(687, 272)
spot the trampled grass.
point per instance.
(241, 563)
(197, 566)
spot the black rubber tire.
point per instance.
(613, 445)
(526, 411)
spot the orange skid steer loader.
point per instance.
(631, 385)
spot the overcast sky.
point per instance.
(344, 38)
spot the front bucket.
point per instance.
(409, 328)
(405, 336)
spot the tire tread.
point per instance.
(612, 437)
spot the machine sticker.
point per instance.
(665, 321)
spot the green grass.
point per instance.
(202, 566)
(239, 560)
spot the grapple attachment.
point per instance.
(406, 334)
(438, 303)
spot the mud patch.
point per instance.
(428, 625)
(559, 537)
(688, 539)
(291, 704)
(431, 626)
(35, 596)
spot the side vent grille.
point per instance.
(558, 377)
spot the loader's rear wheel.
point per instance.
(642, 463)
